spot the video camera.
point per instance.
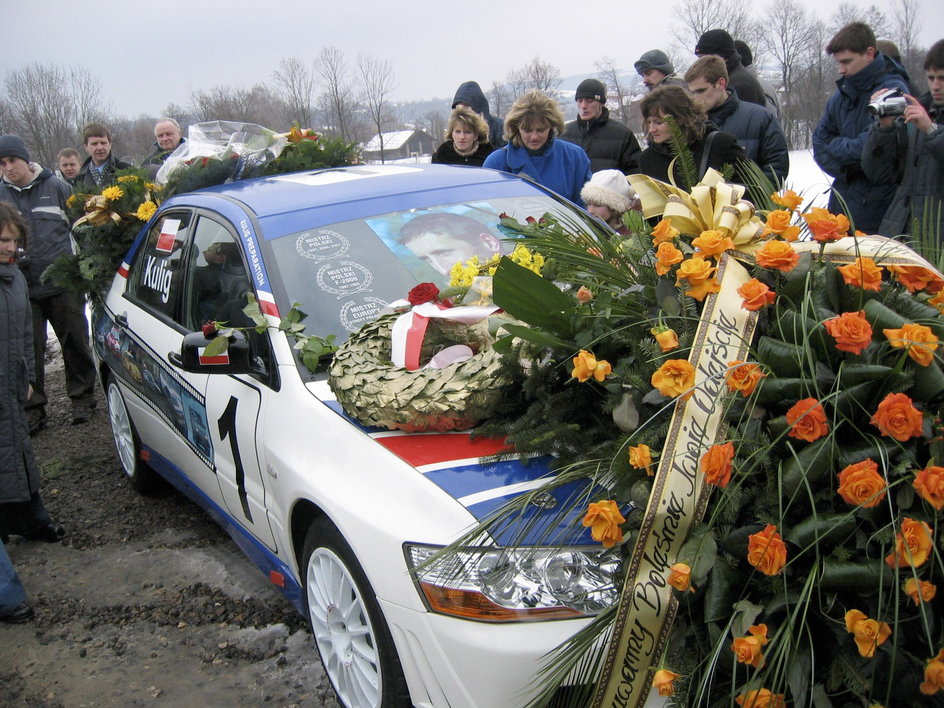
(892, 103)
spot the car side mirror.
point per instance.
(234, 359)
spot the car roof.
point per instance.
(339, 194)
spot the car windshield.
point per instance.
(342, 274)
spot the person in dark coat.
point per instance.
(839, 138)
(533, 150)
(100, 167)
(709, 147)
(470, 95)
(609, 144)
(757, 131)
(168, 138)
(466, 140)
(720, 43)
(910, 150)
(771, 96)
(22, 511)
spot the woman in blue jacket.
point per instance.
(531, 126)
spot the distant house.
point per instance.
(398, 145)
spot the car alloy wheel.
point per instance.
(142, 477)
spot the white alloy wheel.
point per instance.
(121, 430)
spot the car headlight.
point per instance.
(516, 584)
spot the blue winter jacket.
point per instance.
(840, 136)
(563, 167)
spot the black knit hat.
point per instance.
(592, 89)
(747, 57)
(715, 41)
(13, 146)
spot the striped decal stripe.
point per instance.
(422, 450)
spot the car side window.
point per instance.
(217, 281)
(156, 273)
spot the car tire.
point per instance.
(143, 478)
(349, 629)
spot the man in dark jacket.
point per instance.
(40, 197)
(99, 169)
(656, 70)
(720, 43)
(609, 144)
(910, 150)
(755, 128)
(840, 136)
(168, 138)
(470, 94)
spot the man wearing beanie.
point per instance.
(609, 144)
(772, 100)
(40, 197)
(656, 70)
(720, 43)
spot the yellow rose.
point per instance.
(912, 545)
(919, 590)
(663, 682)
(603, 518)
(750, 649)
(586, 365)
(919, 340)
(868, 633)
(640, 457)
(666, 338)
(713, 242)
(674, 378)
(680, 577)
(664, 231)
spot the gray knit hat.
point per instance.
(13, 146)
(654, 59)
(608, 188)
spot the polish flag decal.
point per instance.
(168, 236)
(222, 358)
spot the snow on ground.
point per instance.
(808, 180)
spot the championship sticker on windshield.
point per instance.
(322, 245)
(344, 278)
(168, 236)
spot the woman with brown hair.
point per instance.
(709, 146)
(466, 140)
(531, 126)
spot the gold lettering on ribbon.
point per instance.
(679, 496)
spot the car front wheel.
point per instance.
(349, 629)
(142, 477)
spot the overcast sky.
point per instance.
(149, 54)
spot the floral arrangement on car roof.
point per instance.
(760, 393)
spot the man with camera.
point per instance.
(906, 145)
(841, 133)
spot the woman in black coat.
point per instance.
(466, 140)
(709, 147)
(21, 509)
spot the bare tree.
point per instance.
(377, 84)
(536, 75)
(849, 12)
(695, 17)
(623, 92)
(500, 98)
(337, 101)
(254, 105)
(905, 26)
(295, 85)
(811, 86)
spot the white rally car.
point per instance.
(338, 515)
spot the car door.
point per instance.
(215, 289)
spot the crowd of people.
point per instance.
(882, 144)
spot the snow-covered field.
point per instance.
(807, 179)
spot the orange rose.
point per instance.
(750, 649)
(825, 226)
(916, 278)
(868, 633)
(929, 484)
(766, 551)
(912, 545)
(584, 295)
(604, 519)
(701, 290)
(640, 457)
(851, 330)
(919, 340)
(674, 378)
(760, 698)
(716, 464)
(667, 255)
(938, 301)
(791, 233)
(756, 295)
(897, 417)
(663, 682)
(860, 484)
(694, 270)
(779, 255)
(666, 337)
(713, 243)
(863, 273)
(680, 577)
(807, 420)
(789, 199)
(664, 231)
(586, 365)
(743, 377)
(919, 590)
(933, 675)
(777, 221)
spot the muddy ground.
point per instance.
(146, 601)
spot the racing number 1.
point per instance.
(227, 428)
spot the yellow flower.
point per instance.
(586, 365)
(750, 649)
(663, 232)
(603, 518)
(713, 242)
(789, 199)
(667, 255)
(868, 633)
(919, 590)
(674, 378)
(919, 340)
(526, 259)
(461, 275)
(666, 338)
(146, 210)
(663, 682)
(113, 193)
(933, 675)
(128, 178)
(70, 202)
(640, 457)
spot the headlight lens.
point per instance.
(505, 585)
